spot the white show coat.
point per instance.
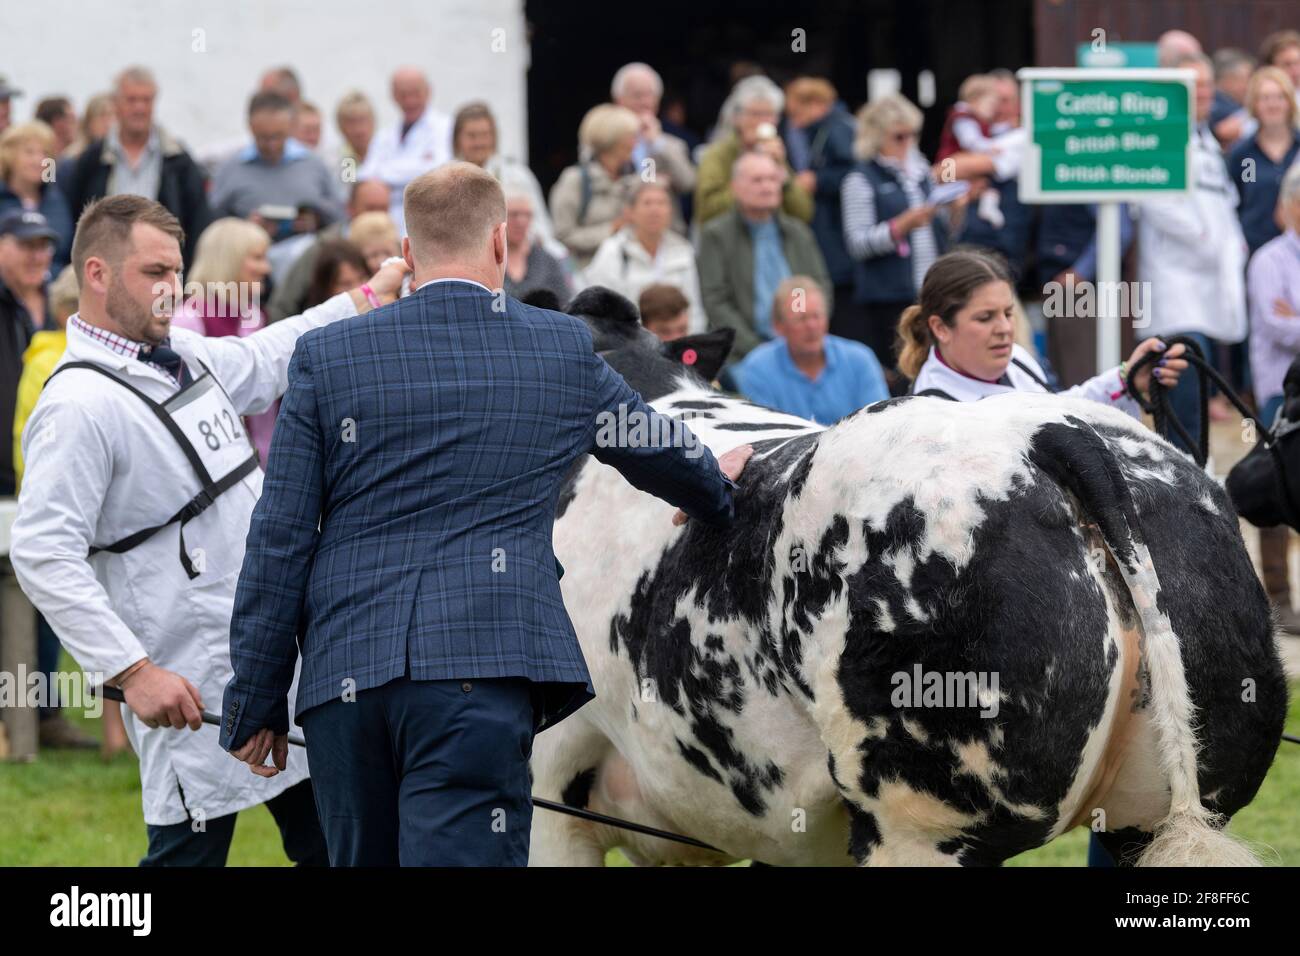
(1192, 252)
(397, 161)
(935, 374)
(100, 467)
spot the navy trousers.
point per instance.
(425, 773)
(294, 811)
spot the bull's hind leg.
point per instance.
(566, 760)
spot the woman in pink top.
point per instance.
(224, 297)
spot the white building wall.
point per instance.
(209, 54)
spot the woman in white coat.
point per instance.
(647, 252)
(1192, 253)
(139, 488)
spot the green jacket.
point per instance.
(726, 267)
(713, 184)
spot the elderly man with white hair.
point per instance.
(420, 141)
(748, 123)
(638, 87)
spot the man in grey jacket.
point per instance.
(746, 252)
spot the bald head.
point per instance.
(411, 92)
(1175, 44)
(455, 214)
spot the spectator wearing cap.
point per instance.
(275, 170)
(746, 252)
(804, 370)
(665, 311)
(26, 251)
(26, 170)
(139, 157)
(7, 93)
(747, 122)
(646, 251)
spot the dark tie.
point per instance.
(168, 360)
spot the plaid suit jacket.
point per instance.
(405, 520)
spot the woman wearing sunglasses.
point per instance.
(893, 228)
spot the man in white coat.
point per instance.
(1192, 254)
(140, 486)
(415, 145)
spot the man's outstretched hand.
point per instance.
(731, 464)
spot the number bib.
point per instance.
(211, 426)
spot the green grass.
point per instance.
(71, 809)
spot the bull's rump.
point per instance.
(932, 544)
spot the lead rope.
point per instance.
(115, 694)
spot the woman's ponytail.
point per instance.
(913, 341)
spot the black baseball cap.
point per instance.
(26, 224)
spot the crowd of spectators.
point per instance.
(801, 226)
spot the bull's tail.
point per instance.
(1191, 834)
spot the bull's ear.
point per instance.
(601, 303)
(542, 299)
(704, 353)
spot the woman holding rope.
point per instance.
(958, 343)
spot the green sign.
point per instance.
(1106, 135)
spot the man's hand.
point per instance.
(258, 746)
(162, 698)
(731, 464)
(650, 127)
(807, 181)
(1282, 309)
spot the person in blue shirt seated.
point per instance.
(805, 371)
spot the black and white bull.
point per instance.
(937, 633)
(1264, 495)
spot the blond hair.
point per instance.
(878, 117)
(64, 293)
(451, 211)
(604, 126)
(221, 250)
(12, 139)
(975, 86)
(1278, 76)
(355, 103)
(948, 286)
(373, 227)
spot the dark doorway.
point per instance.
(577, 46)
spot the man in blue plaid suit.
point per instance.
(403, 537)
